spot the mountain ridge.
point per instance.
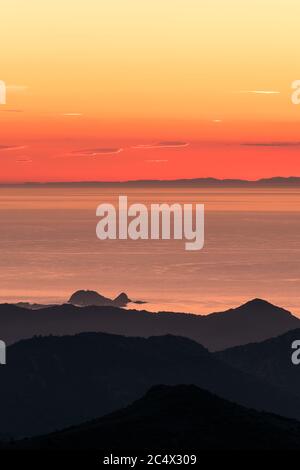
(177, 417)
(251, 322)
(57, 381)
(269, 360)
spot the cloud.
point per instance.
(98, 151)
(12, 110)
(156, 161)
(72, 114)
(12, 147)
(24, 160)
(163, 144)
(270, 144)
(16, 88)
(260, 92)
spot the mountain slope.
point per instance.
(269, 361)
(181, 417)
(255, 321)
(53, 382)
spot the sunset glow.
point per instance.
(136, 89)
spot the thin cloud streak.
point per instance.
(98, 151)
(16, 88)
(259, 92)
(72, 114)
(8, 148)
(156, 161)
(162, 144)
(270, 144)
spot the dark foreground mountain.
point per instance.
(254, 321)
(270, 361)
(182, 417)
(54, 382)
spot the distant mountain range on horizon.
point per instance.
(276, 181)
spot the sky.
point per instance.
(137, 89)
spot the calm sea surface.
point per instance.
(49, 249)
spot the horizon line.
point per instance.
(198, 180)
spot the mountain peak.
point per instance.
(263, 308)
(122, 300)
(257, 302)
(85, 298)
(190, 416)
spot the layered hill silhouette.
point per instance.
(269, 361)
(180, 417)
(55, 382)
(254, 321)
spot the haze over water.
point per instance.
(49, 248)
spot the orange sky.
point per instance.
(128, 89)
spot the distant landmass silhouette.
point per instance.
(182, 417)
(53, 382)
(33, 306)
(292, 181)
(86, 298)
(254, 321)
